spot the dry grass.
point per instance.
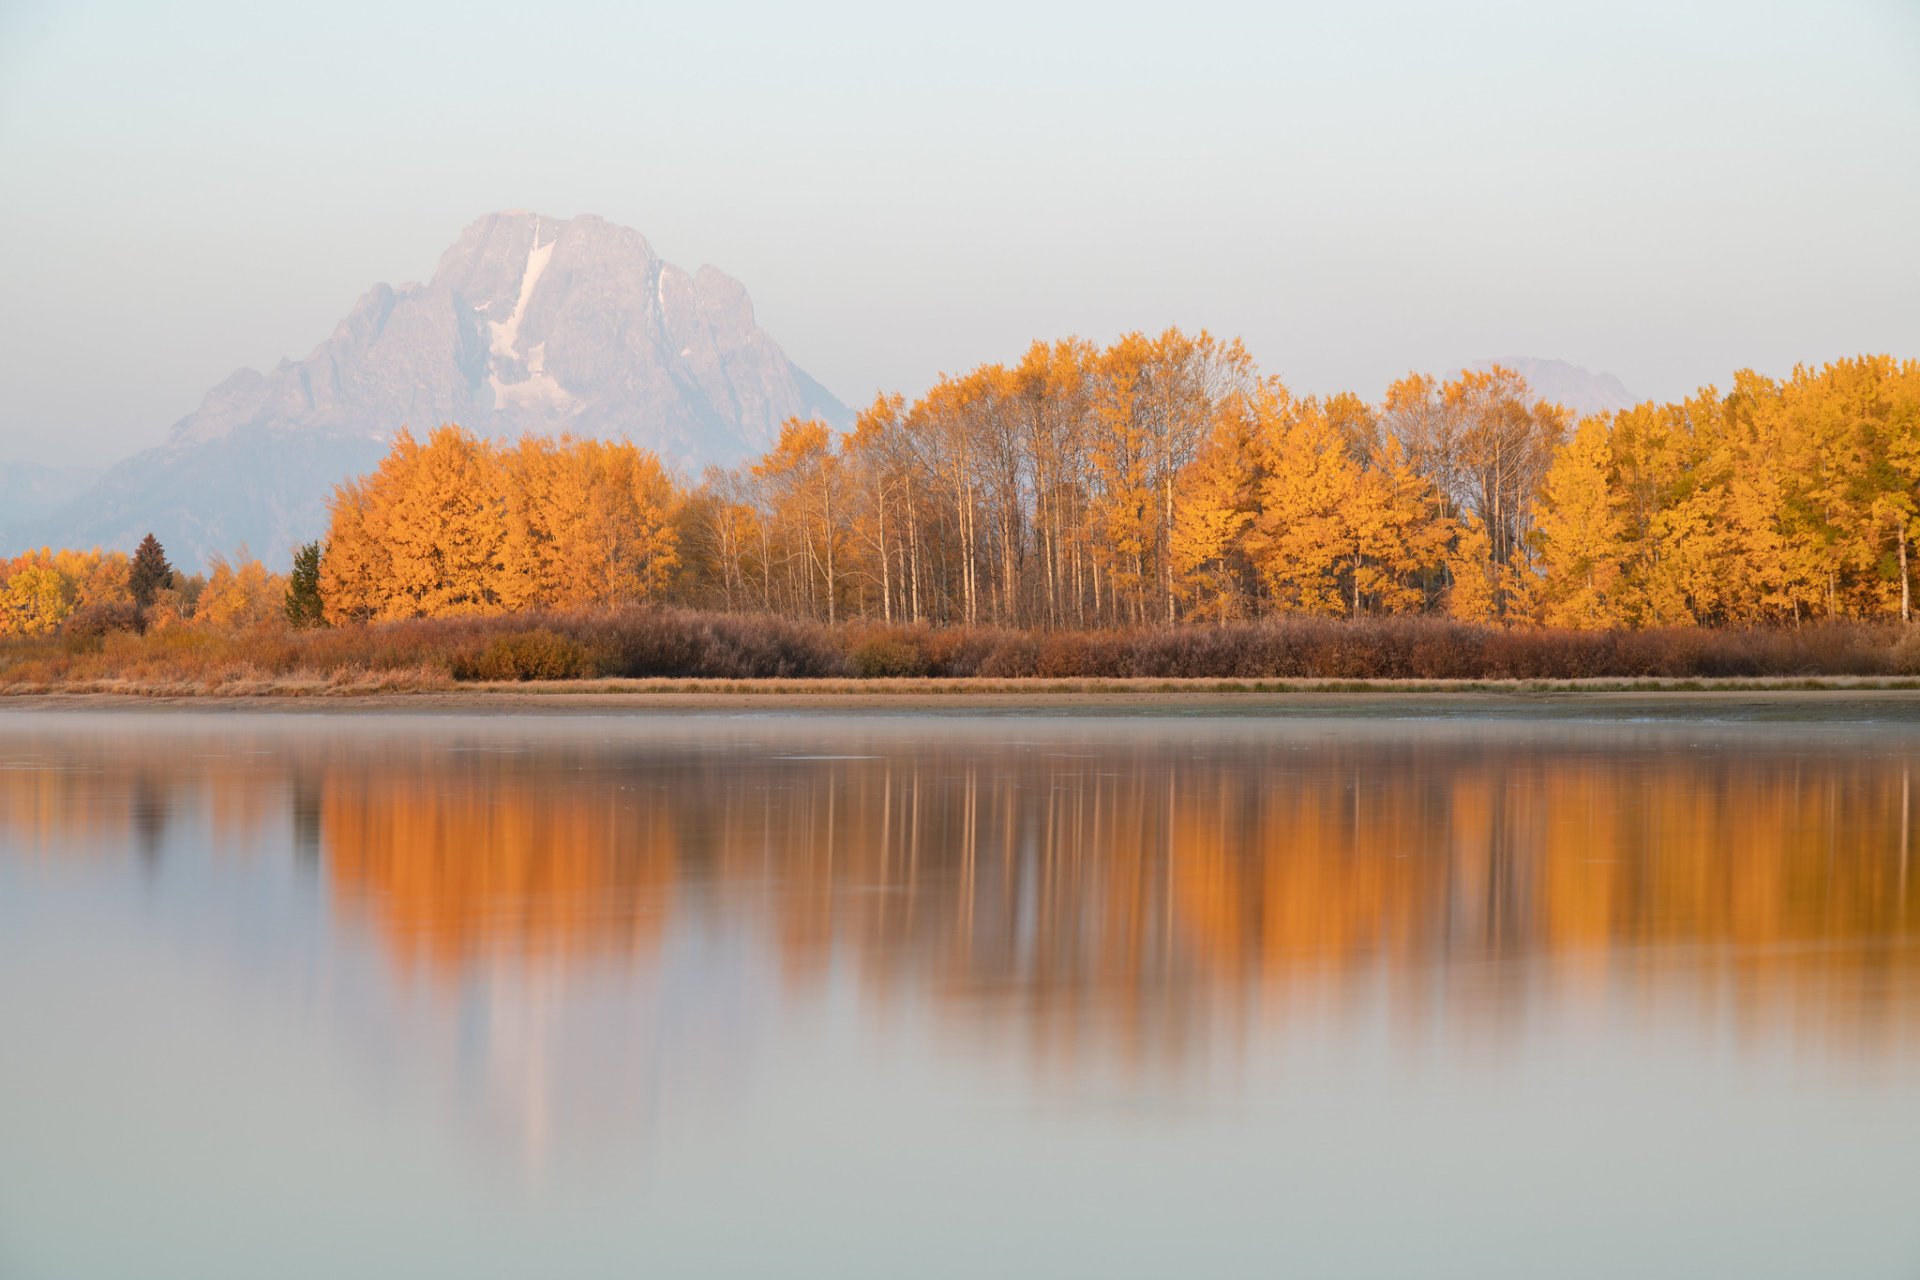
(765, 653)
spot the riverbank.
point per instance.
(706, 651)
(1843, 698)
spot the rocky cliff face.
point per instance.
(529, 324)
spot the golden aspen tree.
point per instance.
(1860, 427)
(1899, 504)
(1124, 505)
(424, 535)
(1213, 507)
(1051, 386)
(1681, 562)
(446, 529)
(1186, 378)
(101, 579)
(1000, 431)
(36, 599)
(541, 514)
(1669, 469)
(1470, 570)
(1356, 422)
(877, 523)
(651, 549)
(1416, 412)
(721, 529)
(1779, 563)
(1579, 525)
(948, 424)
(1504, 445)
(803, 473)
(239, 595)
(354, 565)
(1399, 533)
(1301, 541)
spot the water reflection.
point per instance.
(728, 949)
(1097, 880)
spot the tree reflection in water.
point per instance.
(1114, 888)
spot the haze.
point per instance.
(1662, 192)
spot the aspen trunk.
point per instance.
(886, 565)
(1906, 590)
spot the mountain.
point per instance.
(29, 490)
(1580, 390)
(529, 324)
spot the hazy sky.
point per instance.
(1665, 190)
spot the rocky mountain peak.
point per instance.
(529, 323)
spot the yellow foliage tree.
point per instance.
(1302, 541)
(1213, 508)
(1579, 527)
(424, 536)
(239, 596)
(354, 566)
(37, 599)
(1123, 468)
(804, 478)
(1471, 596)
(588, 523)
(1399, 534)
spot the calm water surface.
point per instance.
(359, 995)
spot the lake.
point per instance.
(917, 993)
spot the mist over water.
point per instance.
(932, 994)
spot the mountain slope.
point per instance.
(29, 490)
(1580, 390)
(529, 324)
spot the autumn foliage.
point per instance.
(1162, 480)
(84, 594)
(1153, 507)
(459, 525)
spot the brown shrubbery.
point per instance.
(109, 651)
(541, 654)
(1404, 648)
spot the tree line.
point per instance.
(1163, 479)
(46, 591)
(1160, 479)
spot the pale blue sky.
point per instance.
(1665, 191)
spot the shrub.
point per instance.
(1011, 655)
(87, 627)
(1063, 655)
(888, 655)
(682, 644)
(1905, 657)
(113, 643)
(528, 655)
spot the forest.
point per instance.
(1158, 484)
(1163, 480)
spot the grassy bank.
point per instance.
(735, 652)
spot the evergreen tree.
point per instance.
(304, 606)
(149, 573)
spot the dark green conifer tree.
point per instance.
(149, 572)
(304, 606)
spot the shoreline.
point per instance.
(1811, 698)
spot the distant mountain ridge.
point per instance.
(29, 490)
(1580, 390)
(529, 324)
